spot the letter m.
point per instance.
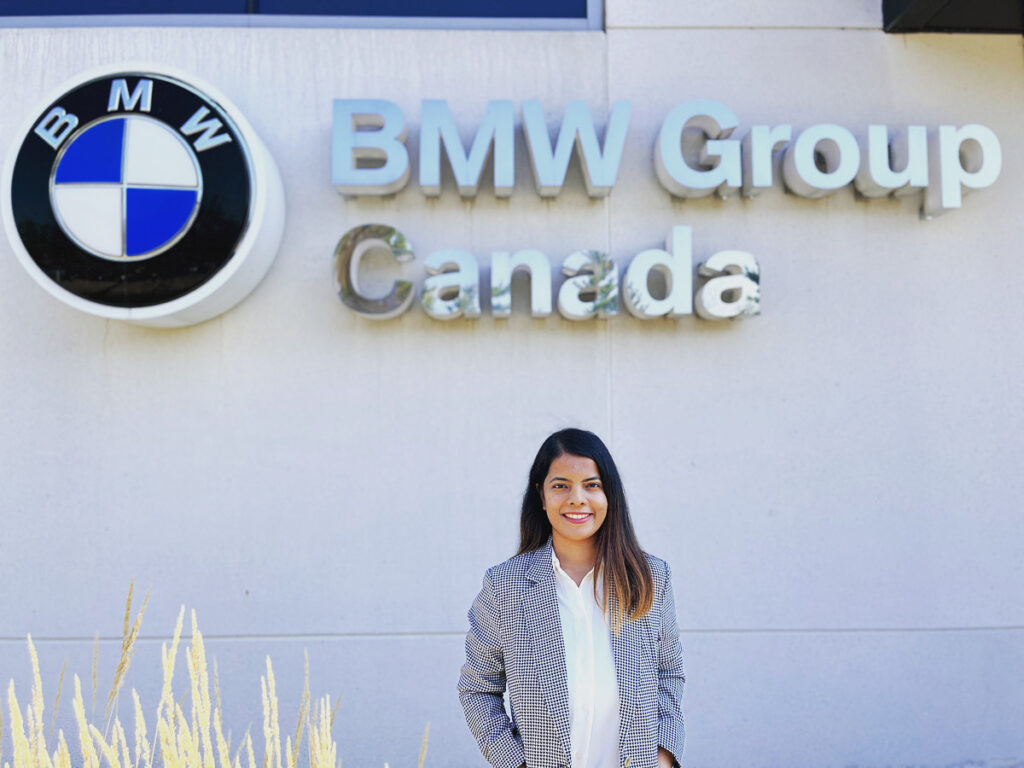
(209, 138)
(119, 94)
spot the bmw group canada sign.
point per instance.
(140, 194)
(143, 195)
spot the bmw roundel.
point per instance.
(141, 195)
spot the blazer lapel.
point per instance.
(545, 628)
(627, 647)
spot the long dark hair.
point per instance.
(627, 575)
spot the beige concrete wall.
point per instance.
(835, 483)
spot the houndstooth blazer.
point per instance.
(515, 640)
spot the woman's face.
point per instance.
(573, 497)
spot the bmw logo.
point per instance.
(142, 195)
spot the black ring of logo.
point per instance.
(219, 225)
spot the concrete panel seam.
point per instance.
(461, 634)
(741, 28)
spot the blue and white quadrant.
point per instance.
(126, 188)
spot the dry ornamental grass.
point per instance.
(179, 740)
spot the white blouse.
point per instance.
(590, 672)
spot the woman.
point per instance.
(580, 626)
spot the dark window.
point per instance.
(494, 9)
(117, 7)
(995, 16)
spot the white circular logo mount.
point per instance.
(139, 194)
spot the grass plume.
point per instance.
(56, 701)
(129, 634)
(188, 733)
(423, 748)
(293, 753)
(95, 670)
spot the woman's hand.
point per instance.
(665, 759)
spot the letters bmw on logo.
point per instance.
(141, 196)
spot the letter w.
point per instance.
(210, 138)
(600, 165)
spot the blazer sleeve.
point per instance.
(482, 685)
(670, 676)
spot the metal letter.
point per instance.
(723, 174)
(676, 268)
(836, 146)
(600, 164)
(502, 267)
(453, 287)
(119, 93)
(349, 145)
(437, 127)
(56, 126)
(734, 290)
(758, 151)
(356, 242)
(964, 158)
(591, 275)
(876, 177)
(209, 138)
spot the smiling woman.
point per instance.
(580, 626)
(576, 506)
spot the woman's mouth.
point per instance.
(577, 517)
